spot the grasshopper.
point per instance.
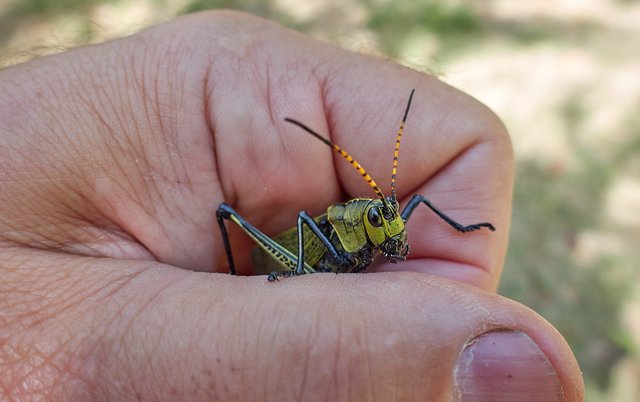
(347, 237)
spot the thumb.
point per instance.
(388, 336)
(83, 328)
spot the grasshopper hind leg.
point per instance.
(225, 212)
(293, 265)
(283, 256)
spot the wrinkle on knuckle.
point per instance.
(286, 355)
(334, 360)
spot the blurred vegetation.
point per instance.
(262, 8)
(26, 10)
(453, 25)
(583, 300)
(556, 204)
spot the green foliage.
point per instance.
(256, 7)
(49, 7)
(395, 20)
(262, 8)
(436, 17)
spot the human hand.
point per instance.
(114, 160)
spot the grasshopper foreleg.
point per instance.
(417, 199)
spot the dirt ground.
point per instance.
(565, 78)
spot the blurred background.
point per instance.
(564, 76)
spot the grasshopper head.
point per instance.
(385, 229)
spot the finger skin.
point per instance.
(120, 330)
(152, 132)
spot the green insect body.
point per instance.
(345, 239)
(314, 250)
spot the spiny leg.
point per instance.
(417, 199)
(286, 258)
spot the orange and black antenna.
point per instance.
(348, 157)
(396, 151)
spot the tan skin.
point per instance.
(114, 160)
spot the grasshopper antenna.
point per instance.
(396, 151)
(349, 159)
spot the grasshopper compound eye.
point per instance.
(374, 217)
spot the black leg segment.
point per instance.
(224, 212)
(417, 199)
